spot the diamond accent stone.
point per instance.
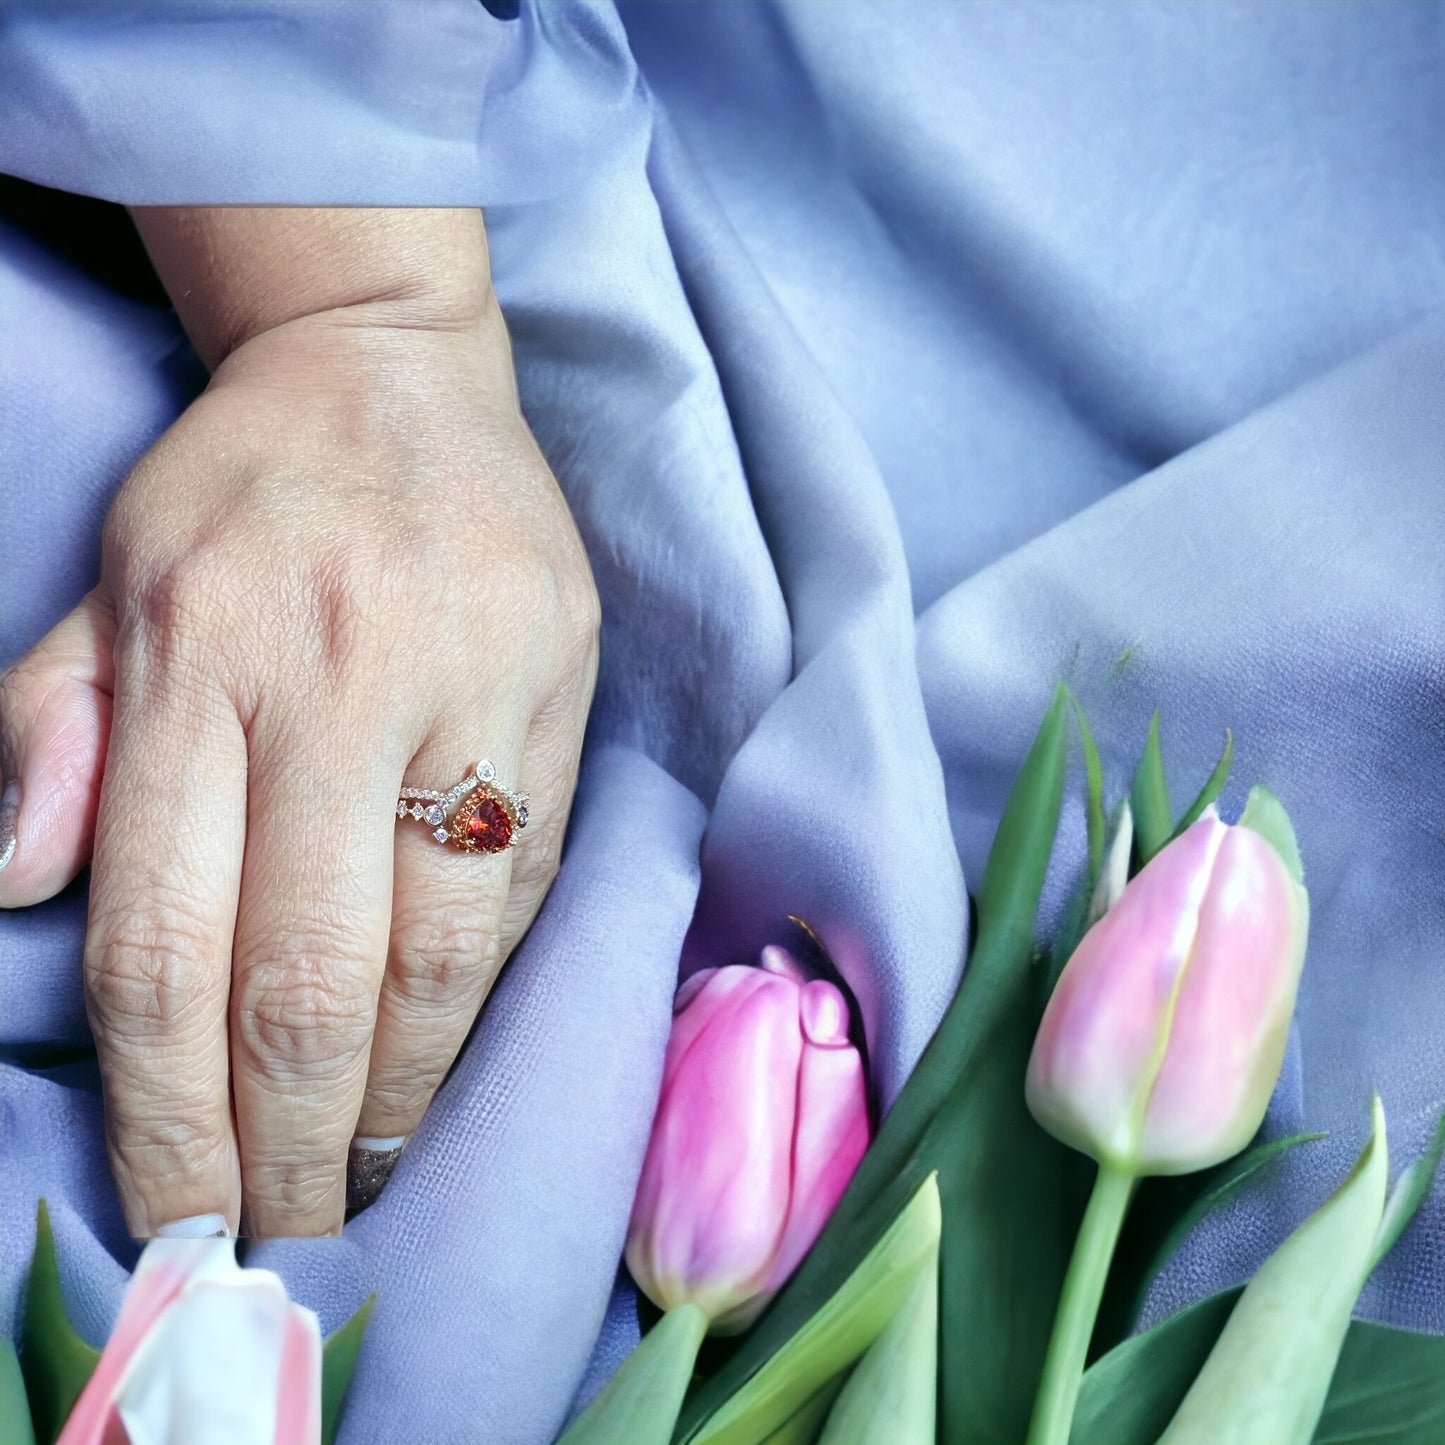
(521, 817)
(416, 811)
(441, 835)
(401, 810)
(486, 772)
(433, 815)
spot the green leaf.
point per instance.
(1213, 787)
(338, 1364)
(1266, 815)
(838, 1334)
(15, 1427)
(1149, 798)
(639, 1404)
(1011, 1208)
(1410, 1192)
(892, 1395)
(1388, 1389)
(55, 1360)
(804, 1427)
(1094, 802)
(1165, 1211)
(1129, 1396)
(1267, 1378)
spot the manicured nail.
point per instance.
(369, 1163)
(198, 1226)
(9, 819)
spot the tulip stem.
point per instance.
(1079, 1307)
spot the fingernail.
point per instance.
(9, 820)
(198, 1226)
(369, 1163)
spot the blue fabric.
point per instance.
(897, 360)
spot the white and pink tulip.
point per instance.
(203, 1353)
(1165, 1035)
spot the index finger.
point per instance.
(169, 840)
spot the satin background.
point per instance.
(897, 361)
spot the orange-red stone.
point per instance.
(489, 828)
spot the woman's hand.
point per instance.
(345, 569)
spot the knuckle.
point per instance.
(303, 1016)
(286, 1190)
(177, 601)
(441, 956)
(151, 975)
(184, 1144)
(341, 608)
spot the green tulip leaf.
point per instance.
(1149, 798)
(1410, 1192)
(1388, 1389)
(1094, 797)
(1129, 1395)
(1268, 1376)
(1011, 1208)
(55, 1361)
(1213, 787)
(804, 1427)
(1265, 814)
(891, 1397)
(338, 1365)
(1163, 1214)
(15, 1426)
(839, 1333)
(639, 1404)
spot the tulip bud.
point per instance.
(762, 1121)
(203, 1353)
(1164, 1038)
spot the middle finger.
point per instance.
(310, 951)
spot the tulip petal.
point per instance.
(831, 1138)
(1106, 1025)
(298, 1390)
(166, 1267)
(1230, 1021)
(208, 1373)
(722, 992)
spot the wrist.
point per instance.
(236, 274)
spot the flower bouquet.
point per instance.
(1080, 1108)
(973, 1270)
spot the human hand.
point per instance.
(346, 568)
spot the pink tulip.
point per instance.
(1164, 1038)
(762, 1121)
(204, 1353)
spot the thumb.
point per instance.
(55, 708)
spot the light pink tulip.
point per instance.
(762, 1121)
(1164, 1038)
(204, 1353)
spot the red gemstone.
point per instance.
(489, 828)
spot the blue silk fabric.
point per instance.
(898, 361)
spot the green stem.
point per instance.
(1079, 1307)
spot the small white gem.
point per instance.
(486, 772)
(521, 817)
(416, 810)
(441, 835)
(401, 810)
(434, 815)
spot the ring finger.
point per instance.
(447, 937)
